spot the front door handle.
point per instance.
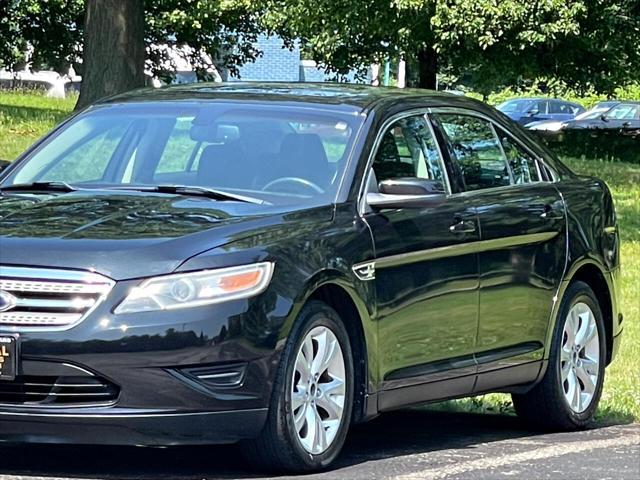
(463, 226)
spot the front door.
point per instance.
(523, 242)
(426, 279)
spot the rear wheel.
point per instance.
(312, 398)
(568, 395)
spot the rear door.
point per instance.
(523, 242)
(559, 110)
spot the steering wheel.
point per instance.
(295, 180)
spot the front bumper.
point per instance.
(112, 428)
(165, 368)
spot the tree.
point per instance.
(585, 45)
(114, 51)
(46, 34)
(221, 34)
(491, 42)
(210, 34)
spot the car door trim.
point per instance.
(454, 251)
(490, 359)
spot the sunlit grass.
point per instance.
(26, 117)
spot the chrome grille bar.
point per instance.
(50, 287)
(30, 319)
(72, 304)
(50, 298)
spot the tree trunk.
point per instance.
(428, 68)
(114, 49)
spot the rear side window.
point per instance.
(539, 107)
(180, 149)
(475, 151)
(562, 108)
(524, 166)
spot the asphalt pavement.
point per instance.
(405, 445)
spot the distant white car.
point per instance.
(51, 83)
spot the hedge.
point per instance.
(611, 145)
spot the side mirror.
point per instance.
(406, 193)
(4, 164)
(604, 117)
(533, 111)
(410, 186)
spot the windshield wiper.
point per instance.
(39, 187)
(194, 191)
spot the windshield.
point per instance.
(513, 106)
(280, 154)
(624, 111)
(595, 112)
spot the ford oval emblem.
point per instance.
(7, 301)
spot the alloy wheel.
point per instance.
(318, 390)
(580, 357)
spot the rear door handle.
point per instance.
(463, 226)
(550, 214)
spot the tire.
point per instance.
(280, 447)
(552, 405)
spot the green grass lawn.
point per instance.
(24, 118)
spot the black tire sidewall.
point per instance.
(578, 292)
(315, 314)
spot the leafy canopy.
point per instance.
(587, 44)
(218, 32)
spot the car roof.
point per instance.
(353, 97)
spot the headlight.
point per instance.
(199, 288)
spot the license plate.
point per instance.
(8, 357)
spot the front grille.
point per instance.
(47, 298)
(53, 390)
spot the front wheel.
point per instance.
(312, 398)
(568, 395)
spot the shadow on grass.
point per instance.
(32, 114)
(393, 435)
(605, 415)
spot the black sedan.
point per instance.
(270, 264)
(623, 116)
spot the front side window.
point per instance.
(408, 149)
(475, 151)
(277, 153)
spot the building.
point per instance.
(279, 63)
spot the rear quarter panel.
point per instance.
(593, 237)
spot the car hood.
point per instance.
(123, 235)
